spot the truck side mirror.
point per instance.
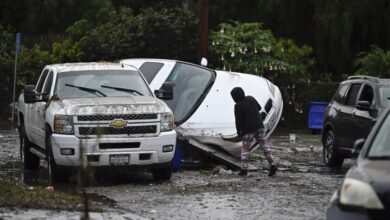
(165, 92)
(363, 105)
(29, 94)
(357, 147)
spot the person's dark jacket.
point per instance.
(247, 112)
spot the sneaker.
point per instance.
(272, 170)
(243, 173)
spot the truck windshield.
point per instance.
(384, 93)
(95, 83)
(191, 83)
(380, 147)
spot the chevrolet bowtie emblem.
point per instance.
(118, 123)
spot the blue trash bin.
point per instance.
(176, 161)
(316, 116)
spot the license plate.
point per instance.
(119, 159)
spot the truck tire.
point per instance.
(30, 160)
(164, 173)
(56, 174)
(331, 156)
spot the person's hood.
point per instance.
(237, 94)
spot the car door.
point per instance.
(334, 112)
(346, 129)
(364, 119)
(33, 108)
(38, 114)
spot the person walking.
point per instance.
(249, 124)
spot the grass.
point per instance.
(22, 196)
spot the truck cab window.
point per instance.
(42, 79)
(48, 84)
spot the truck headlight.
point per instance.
(63, 124)
(357, 193)
(166, 121)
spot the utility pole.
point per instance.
(203, 13)
(17, 49)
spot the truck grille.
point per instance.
(112, 117)
(149, 129)
(105, 146)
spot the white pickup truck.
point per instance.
(102, 114)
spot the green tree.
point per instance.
(6, 67)
(112, 39)
(163, 33)
(247, 47)
(337, 30)
(30, 64)
(344, 28)
(167, 33)
(44, 22)
(70, 50)
(376, 62)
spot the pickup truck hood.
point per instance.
(110, 105)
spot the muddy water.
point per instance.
(300, 190)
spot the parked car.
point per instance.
(202, 106)
(103, 114)
(365, 191)
(351, 114)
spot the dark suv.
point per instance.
(351, 114)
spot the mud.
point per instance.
(300, 190)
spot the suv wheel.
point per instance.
(330, 154)
(30, 160)
(162, 173)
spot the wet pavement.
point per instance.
(300, 190)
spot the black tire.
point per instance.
(56, 174)
(30, 160)
(330, 154)
(164, 173)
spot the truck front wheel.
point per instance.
(56, 174)
(30, 160)
(164, 173)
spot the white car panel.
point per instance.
(214, 117)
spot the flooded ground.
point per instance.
(300, 190)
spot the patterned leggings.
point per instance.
(246, 144)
